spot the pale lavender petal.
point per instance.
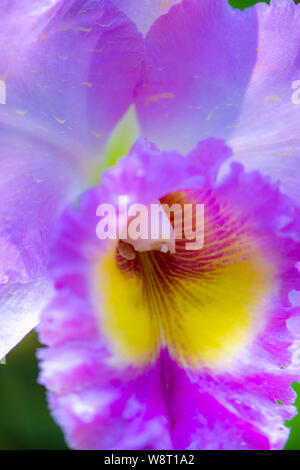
(37, 179)
(199, 59)
(20, 309)
(60, 106)
(69, 70)
(266, 135)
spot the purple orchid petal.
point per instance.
(69, 70)
(199, 60)
(106, 397)
(211, 70)
(266, 136)
(21, 304)
(36, 180)
(144, 13)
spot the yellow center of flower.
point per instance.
(204, 306)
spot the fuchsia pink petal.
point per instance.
(101, 404)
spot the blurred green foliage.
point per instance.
(246, 3)
(24, 417)
(294, 440)
(25, 422)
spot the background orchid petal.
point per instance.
(69, 70)
(267, 131)
(198, 61)
(145, 12)
(36, 180)
(20, 307)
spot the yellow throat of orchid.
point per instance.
(203, 305)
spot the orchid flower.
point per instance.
(155, 348)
